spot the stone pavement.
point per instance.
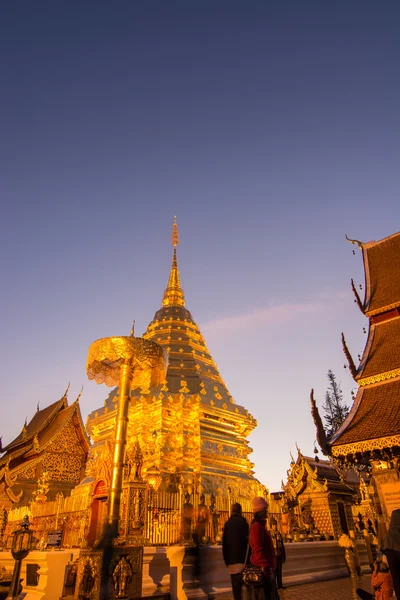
(334, 589)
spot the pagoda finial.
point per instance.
(173, 295)
(133, 329)
(175, 234)
(350, 360)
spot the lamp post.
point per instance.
(20, 549)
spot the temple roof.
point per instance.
(307, 473)
(375, 414)
(382, 351)
(335, 481)
(41, 430)
(382, 274)
(61, 419)
(36, 425)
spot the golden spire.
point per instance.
(173, 295)
(175, 234)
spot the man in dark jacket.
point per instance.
(234, 547)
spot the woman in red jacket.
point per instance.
(262, 550)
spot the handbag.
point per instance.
(252, 575)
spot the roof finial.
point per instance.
(358, 299)
(67, 390)
(357, 242)
(352, 366)
(321, 433)
(79, 395)
(133, 329)
(38, 407)
(175, 234)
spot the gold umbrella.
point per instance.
(129, 363)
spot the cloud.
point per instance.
(274, 314)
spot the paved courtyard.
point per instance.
(335, 589)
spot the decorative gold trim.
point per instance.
(380, 377)
(366, 445)
(377, 311)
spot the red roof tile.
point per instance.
(382, 352)
(36, 424)
(382, 273)
(375, 414)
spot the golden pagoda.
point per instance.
(190, 431)
(369, 439)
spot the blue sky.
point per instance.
(269, 129)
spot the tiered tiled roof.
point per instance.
(40, 420)
(382, 351)
(375, 414)
(382, 264)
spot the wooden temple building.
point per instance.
(369, 439)
(317, 499)
(54, 443)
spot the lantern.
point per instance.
(21, 546)
(154, 477)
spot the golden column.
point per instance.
(129, 363)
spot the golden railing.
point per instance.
(67, 513)
(163, 518)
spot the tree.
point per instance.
(335, 410)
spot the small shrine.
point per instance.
(316, 501)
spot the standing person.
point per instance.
(234, 546)
(391, 549)
(262, 550)
(280, 553)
